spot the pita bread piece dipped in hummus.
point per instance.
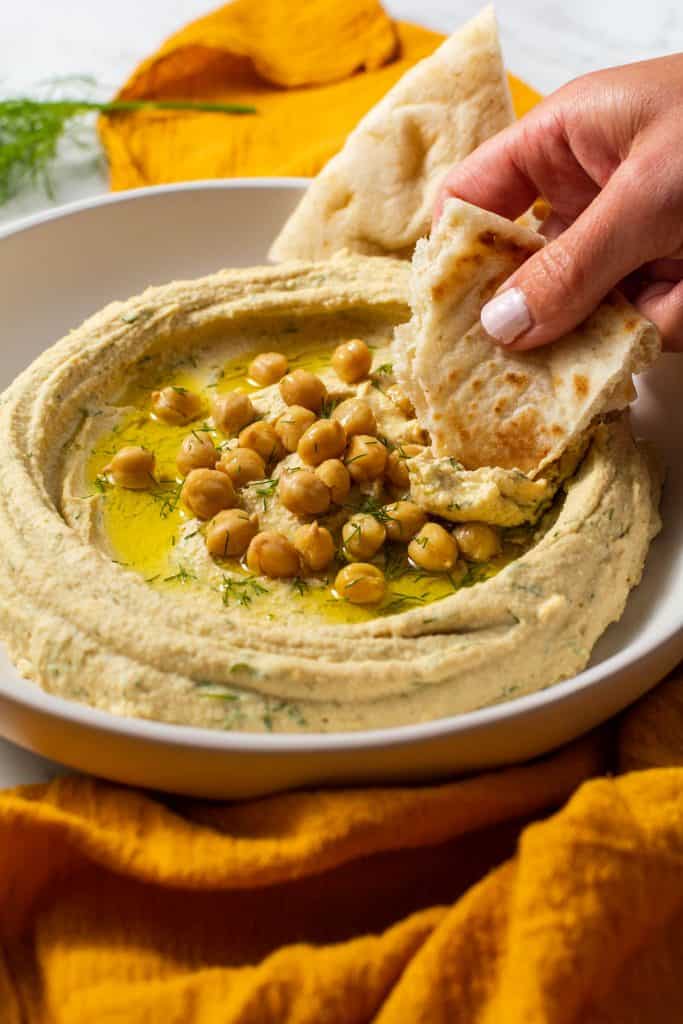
(484, 405)
(375, 197)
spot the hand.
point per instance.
(606, 151)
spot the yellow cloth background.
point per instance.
(413, 905)
(350, 906)
(294, 61)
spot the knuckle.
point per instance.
(557, 278)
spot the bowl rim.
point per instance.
(184, 736)
(63, 210)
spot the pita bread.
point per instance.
(375, 197)
(482, 404)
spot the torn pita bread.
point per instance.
(375, 197)
(482, 404)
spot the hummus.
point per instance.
(109, 595)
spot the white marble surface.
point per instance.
(547, 42)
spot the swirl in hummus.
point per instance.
(121, 589)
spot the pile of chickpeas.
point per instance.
(337, 452)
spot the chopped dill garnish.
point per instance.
(243, 666)
(328, 407)
(400, 601)
(372, 507)
(299, 585)
(182, 576)
(101, 483)
(264, 489)
(242, 592)
(167, 496)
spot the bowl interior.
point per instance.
(58, 269)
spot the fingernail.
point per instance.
(506, 316)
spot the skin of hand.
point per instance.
(606, 151)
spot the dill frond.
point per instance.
(30, 131)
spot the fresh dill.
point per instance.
(329, 405)
(400, 601)
(167, 496)
(370, 506)
(241, 592)
(242, 667)
(30, 131)
(265, 489)
(299, 585)
(182, 576)
(397, 567)
(385, 370)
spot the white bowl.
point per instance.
(57, 268)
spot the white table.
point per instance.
(546, 42)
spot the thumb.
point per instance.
(561, 284)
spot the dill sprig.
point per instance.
(371, 506)
(30, 131)
(242, 592)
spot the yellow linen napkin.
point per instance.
(350, 906)
(311, 68)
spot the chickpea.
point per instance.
(232, 412)
(176, 405)
(401, 400)
(133, 468)
(268, 367)
(433, 549)
(304, 493)
(362, 537)
(366, 458)
(406, 519)
(301, 387)
(352, 360)
(315, 546)
(292, 425)
(196, 452)
(271, 554)
(356, 417)
(478, 542)
(206, 492)
(261, 438)
(360, 583)
(326, 439)
(230, 532)
(242, 465)
(396, 469)
(335, 475)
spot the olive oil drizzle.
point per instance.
(146, 528)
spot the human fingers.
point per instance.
(556, 288)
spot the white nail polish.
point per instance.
(506, 316)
